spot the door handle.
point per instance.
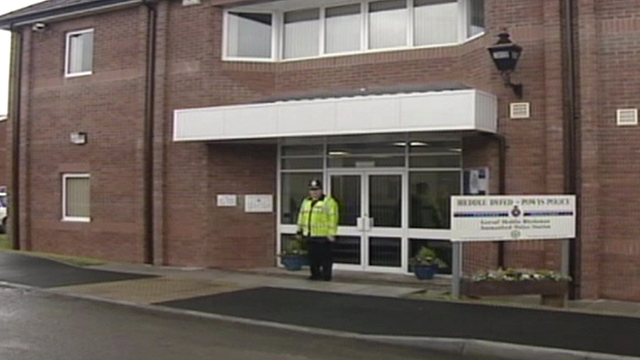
(360, 223)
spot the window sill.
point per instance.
(76, 219)
(75, 75)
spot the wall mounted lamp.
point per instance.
(505, 55)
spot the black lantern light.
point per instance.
(505, 55)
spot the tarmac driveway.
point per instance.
(403, 317)
(44, 273)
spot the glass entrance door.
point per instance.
(370, 232)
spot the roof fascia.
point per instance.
(66, 13)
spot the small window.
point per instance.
(301, 33)
(249, 35)
(435, 22)
(343, 29)
(387, 24)
(75, 197)
(79, 59)
(476, 17)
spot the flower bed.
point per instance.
(551, 286)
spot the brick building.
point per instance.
(160, 131)
(4, 176)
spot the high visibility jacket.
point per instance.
(318, 218)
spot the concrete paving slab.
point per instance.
(148, 291)
(616, 306)
(385, 291)
(297, 280)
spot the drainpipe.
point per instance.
(148, 133)
(571, 140)
(14, 117)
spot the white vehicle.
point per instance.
(3, 212)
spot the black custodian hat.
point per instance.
(315, 184)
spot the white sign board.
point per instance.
(227, 200)
(499, 218)
(258, 203)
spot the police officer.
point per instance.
(318, 223)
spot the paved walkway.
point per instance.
(390, 305)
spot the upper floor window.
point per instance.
(387, 24)
(79, 58)
(271, 31)
(249, 35)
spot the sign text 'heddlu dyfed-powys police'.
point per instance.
(491, 218)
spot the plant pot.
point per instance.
(425, 272)
(304, 259)
(293, 262)
(552, 292)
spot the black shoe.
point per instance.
(327, 279)
(315, 278)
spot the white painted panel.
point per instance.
(368, 113)
(486, 112)
(442, 111)
(308, 117)
(251, 121)
(432, 111)
(199, 124)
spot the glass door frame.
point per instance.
(360, 230)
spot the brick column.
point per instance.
(590, 245)
(161, 133)
(554, 116)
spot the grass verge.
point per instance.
(5, 245)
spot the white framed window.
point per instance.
(475, 13)
(301, 36)
(387, 24)
(435, 22)
(276, 31)
(76, 196)
(343, 29)
(249, 35)
(79, 53)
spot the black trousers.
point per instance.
(320, 258)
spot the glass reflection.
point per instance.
(345, 189)
(429, 204)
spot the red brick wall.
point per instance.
(611, 155)
(198, 78)
(108, 106)
(4, 154)
(191, 230)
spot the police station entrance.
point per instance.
(392, 159)
(393, 192)
(372, 214)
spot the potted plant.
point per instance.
(550, 285)
(294, 255)
(426, 263)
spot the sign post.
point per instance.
(510, 218)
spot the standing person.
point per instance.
(318, 223)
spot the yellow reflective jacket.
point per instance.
(318, 217)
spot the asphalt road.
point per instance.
(39, 326)
(402, 317)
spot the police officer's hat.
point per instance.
(315, 184)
